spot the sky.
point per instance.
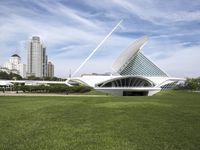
(71, 29)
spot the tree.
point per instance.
(192, 83)
(11, 76)
(4, 75)
(33, 78)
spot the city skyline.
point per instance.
(71, 30)
(37, 63)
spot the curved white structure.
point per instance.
(126, 56)
(126, 85)
(138, 75)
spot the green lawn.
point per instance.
(169, 120)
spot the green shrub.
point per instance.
(55, 89)
(192, 83)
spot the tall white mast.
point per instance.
(96, 48)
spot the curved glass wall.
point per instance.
(127, 82)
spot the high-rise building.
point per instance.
(14, 65)
(37, 58)
(50, 70)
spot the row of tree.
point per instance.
(45, 78)
(190, 84)
(52, 89)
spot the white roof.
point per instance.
(160, 80)
(91, 80)
(128, 53)
(95, 79)
(5, 83)
(29, 82)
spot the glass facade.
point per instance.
(141, 65)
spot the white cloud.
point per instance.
(70, 33)
(158, 12)
(183, 62)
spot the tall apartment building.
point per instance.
(50, 70)
(14, 65)
(36, 58)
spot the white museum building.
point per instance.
(134, 74)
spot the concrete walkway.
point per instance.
(13, 93)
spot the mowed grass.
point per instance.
(169, 120)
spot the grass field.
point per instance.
(167, 121)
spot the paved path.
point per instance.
(47, 94)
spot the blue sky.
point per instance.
(71, 29)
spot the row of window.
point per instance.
(127, 82)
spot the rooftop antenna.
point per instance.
(109, 34)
